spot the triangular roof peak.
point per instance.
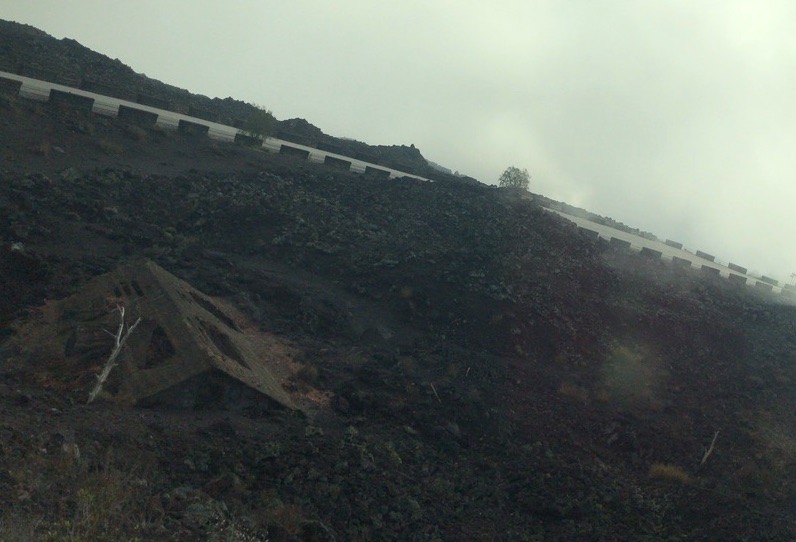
(183, 333)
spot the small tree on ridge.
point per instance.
(515, 178)
(260, 123)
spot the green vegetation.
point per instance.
(260, 123)
(515, 178)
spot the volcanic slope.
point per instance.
(472, 367)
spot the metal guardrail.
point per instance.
(39, 90)
(687, 257)
(109, 106)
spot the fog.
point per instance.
(677, 118)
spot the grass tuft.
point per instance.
(668, 473)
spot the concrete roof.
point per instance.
(183, 333)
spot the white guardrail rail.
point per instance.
(679, 255)
(37, 89)
(40, 90)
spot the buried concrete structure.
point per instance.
(10, 87)
(189, 128)
(737, 268)
(137, 116)
(294, 151)
(705, 256)
(62, 99)
(674, 244)
(337, 163)
(681, 262)
(620, 244)
(186, 352)
(377, 173)
(651, 253)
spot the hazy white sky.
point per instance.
(677, 117)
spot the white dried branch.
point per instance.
(435, 392)
(119, 340)
(709, 450)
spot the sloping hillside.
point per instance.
(28, 51)
(478, 369)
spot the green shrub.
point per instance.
(260, 123)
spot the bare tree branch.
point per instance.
(120, 338)
(709, 450)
